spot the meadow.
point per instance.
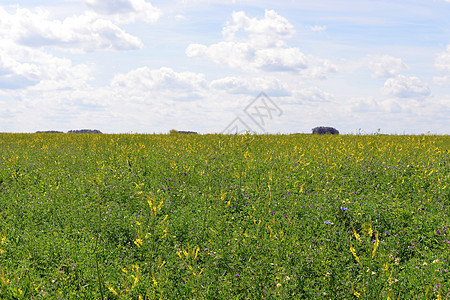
(224, 217)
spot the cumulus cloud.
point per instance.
(383, 66)
(442, 64)
(406, 87)
(442, 80)
(61, 73)
(241, 85)
(13, 81)
(271, 31)
(14, 74)
(312, 94)
(163, 82)
(370, 104)
(26, 35)
(263, 47)
(126, 11)
(22, 67)
(79, 33)
(111, 6)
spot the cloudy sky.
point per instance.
(145, 66)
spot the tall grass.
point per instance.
(224, 217)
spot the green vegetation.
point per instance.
(224, 217)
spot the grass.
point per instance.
(224, 217)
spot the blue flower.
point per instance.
(344, 208)
(327, 222)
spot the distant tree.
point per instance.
(325, 130)
(174, 131)
(85, 131)
(49, 131)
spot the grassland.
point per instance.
(224, 217)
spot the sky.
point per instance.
(213, 66)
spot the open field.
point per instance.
(224, 217)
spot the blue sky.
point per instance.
(139, 66)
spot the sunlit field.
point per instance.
(224, 217)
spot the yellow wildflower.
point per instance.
(375, 246)
(112, 290)
(352, 249)
(138, 242)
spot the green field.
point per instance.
(224, 217)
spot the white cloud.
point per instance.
(442, 80)
(285, 59)
(363, 104)
(27, 34)
(406, 87)
(372, 105)
(263, 49)
(61, 73)
(240, 85)
(79, 33)
(235, 55)
(110, 6)
(163, 82)
(22, 67)
(383, 66)
(271, 31)
(180, 17)
(126, 11)
(318, 28)
(442, 62)
(14, 74)
(52, 77)
(312, 94)
(14, 81)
